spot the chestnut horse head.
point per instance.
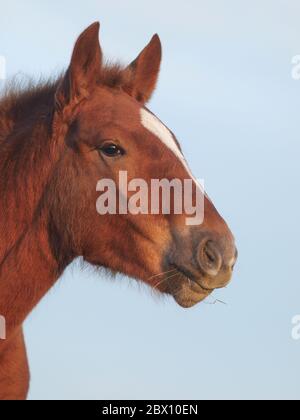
(108, 129)
(92, 125)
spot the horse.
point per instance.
(57, 140)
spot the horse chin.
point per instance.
(187, 293)
(188, 298)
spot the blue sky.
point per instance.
(226, 91)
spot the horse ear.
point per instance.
(84, 70)
(143, 72)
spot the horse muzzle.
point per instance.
(211, 267)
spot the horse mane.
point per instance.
(31, 99)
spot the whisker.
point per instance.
(215, 302)
(161, 274)
(164, 280)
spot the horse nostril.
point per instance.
(209, 258)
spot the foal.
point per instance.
(56, 142)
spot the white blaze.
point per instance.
(156, 127)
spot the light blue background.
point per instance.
(226, 90)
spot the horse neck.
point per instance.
(27, 272)
(28, 267)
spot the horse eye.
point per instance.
(112, 150)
